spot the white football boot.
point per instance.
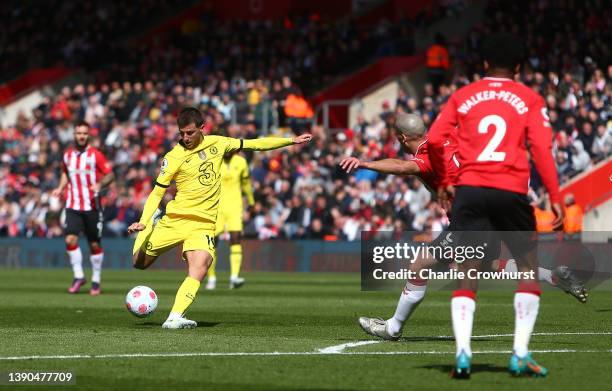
(236, 282)
(378, 328)
(180, 323)
(211, 284)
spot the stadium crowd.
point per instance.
(47, 33)
(300, 193)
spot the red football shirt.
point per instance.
(430, 177)
(494, 119)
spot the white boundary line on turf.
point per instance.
(335, 349)
(221, 354)
(340, 348)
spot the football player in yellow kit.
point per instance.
(235, 181)
(194, 164)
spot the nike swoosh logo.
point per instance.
(187, 160)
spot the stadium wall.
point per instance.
(304, 256)
(287, 256)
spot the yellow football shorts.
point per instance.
(173, 230)
(229, 220)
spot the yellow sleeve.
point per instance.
(151, 204)
(247, 186)
(258, 144)
(169, 167)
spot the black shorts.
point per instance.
(88, 222)
(506, 213)
(446, 247)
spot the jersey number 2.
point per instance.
(489, 154)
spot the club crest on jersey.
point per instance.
(213, 150)
(202, 155)
(164, 165)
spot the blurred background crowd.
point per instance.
(252, 85)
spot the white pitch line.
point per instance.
(220, 354)
(542, 334)
(335, 349)
(339, 348)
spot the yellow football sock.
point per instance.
(212, 269)
(186, 295)
(235, 259)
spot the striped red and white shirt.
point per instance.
(84, 169)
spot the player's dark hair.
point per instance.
(190, 115)
(503, 50)
(82, 123)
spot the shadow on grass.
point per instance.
(415, 339)
(439, 338)
(158, 324)
(445, 368)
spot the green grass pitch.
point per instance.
(296, 315)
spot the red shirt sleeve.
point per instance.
(423, 164)
(439, 132)
(539, 136)
(102, 165)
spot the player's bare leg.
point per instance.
(199, 261)
(96, 258)
(412, 295)
(76, 261)
(141, 260)
(235, 260)
(463, 306)
(526, 306)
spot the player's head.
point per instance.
(409, 127)
(502, 51)
(191, 123)
(81, 134)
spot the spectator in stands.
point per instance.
(438, 61)
(602, 144)
(544, 216)
(135, 121)
(298, 112)
(573, 215)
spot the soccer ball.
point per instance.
(141, 301)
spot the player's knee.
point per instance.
(95, 247)
(71, 240)
(234, 238)
(138, 261)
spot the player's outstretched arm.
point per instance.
(269, 143)
(385, 166)
(149, 208)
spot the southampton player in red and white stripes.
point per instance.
(85, 173)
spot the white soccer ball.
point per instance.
(141, 301)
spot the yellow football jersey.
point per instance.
(197, 173)
(235, 181)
